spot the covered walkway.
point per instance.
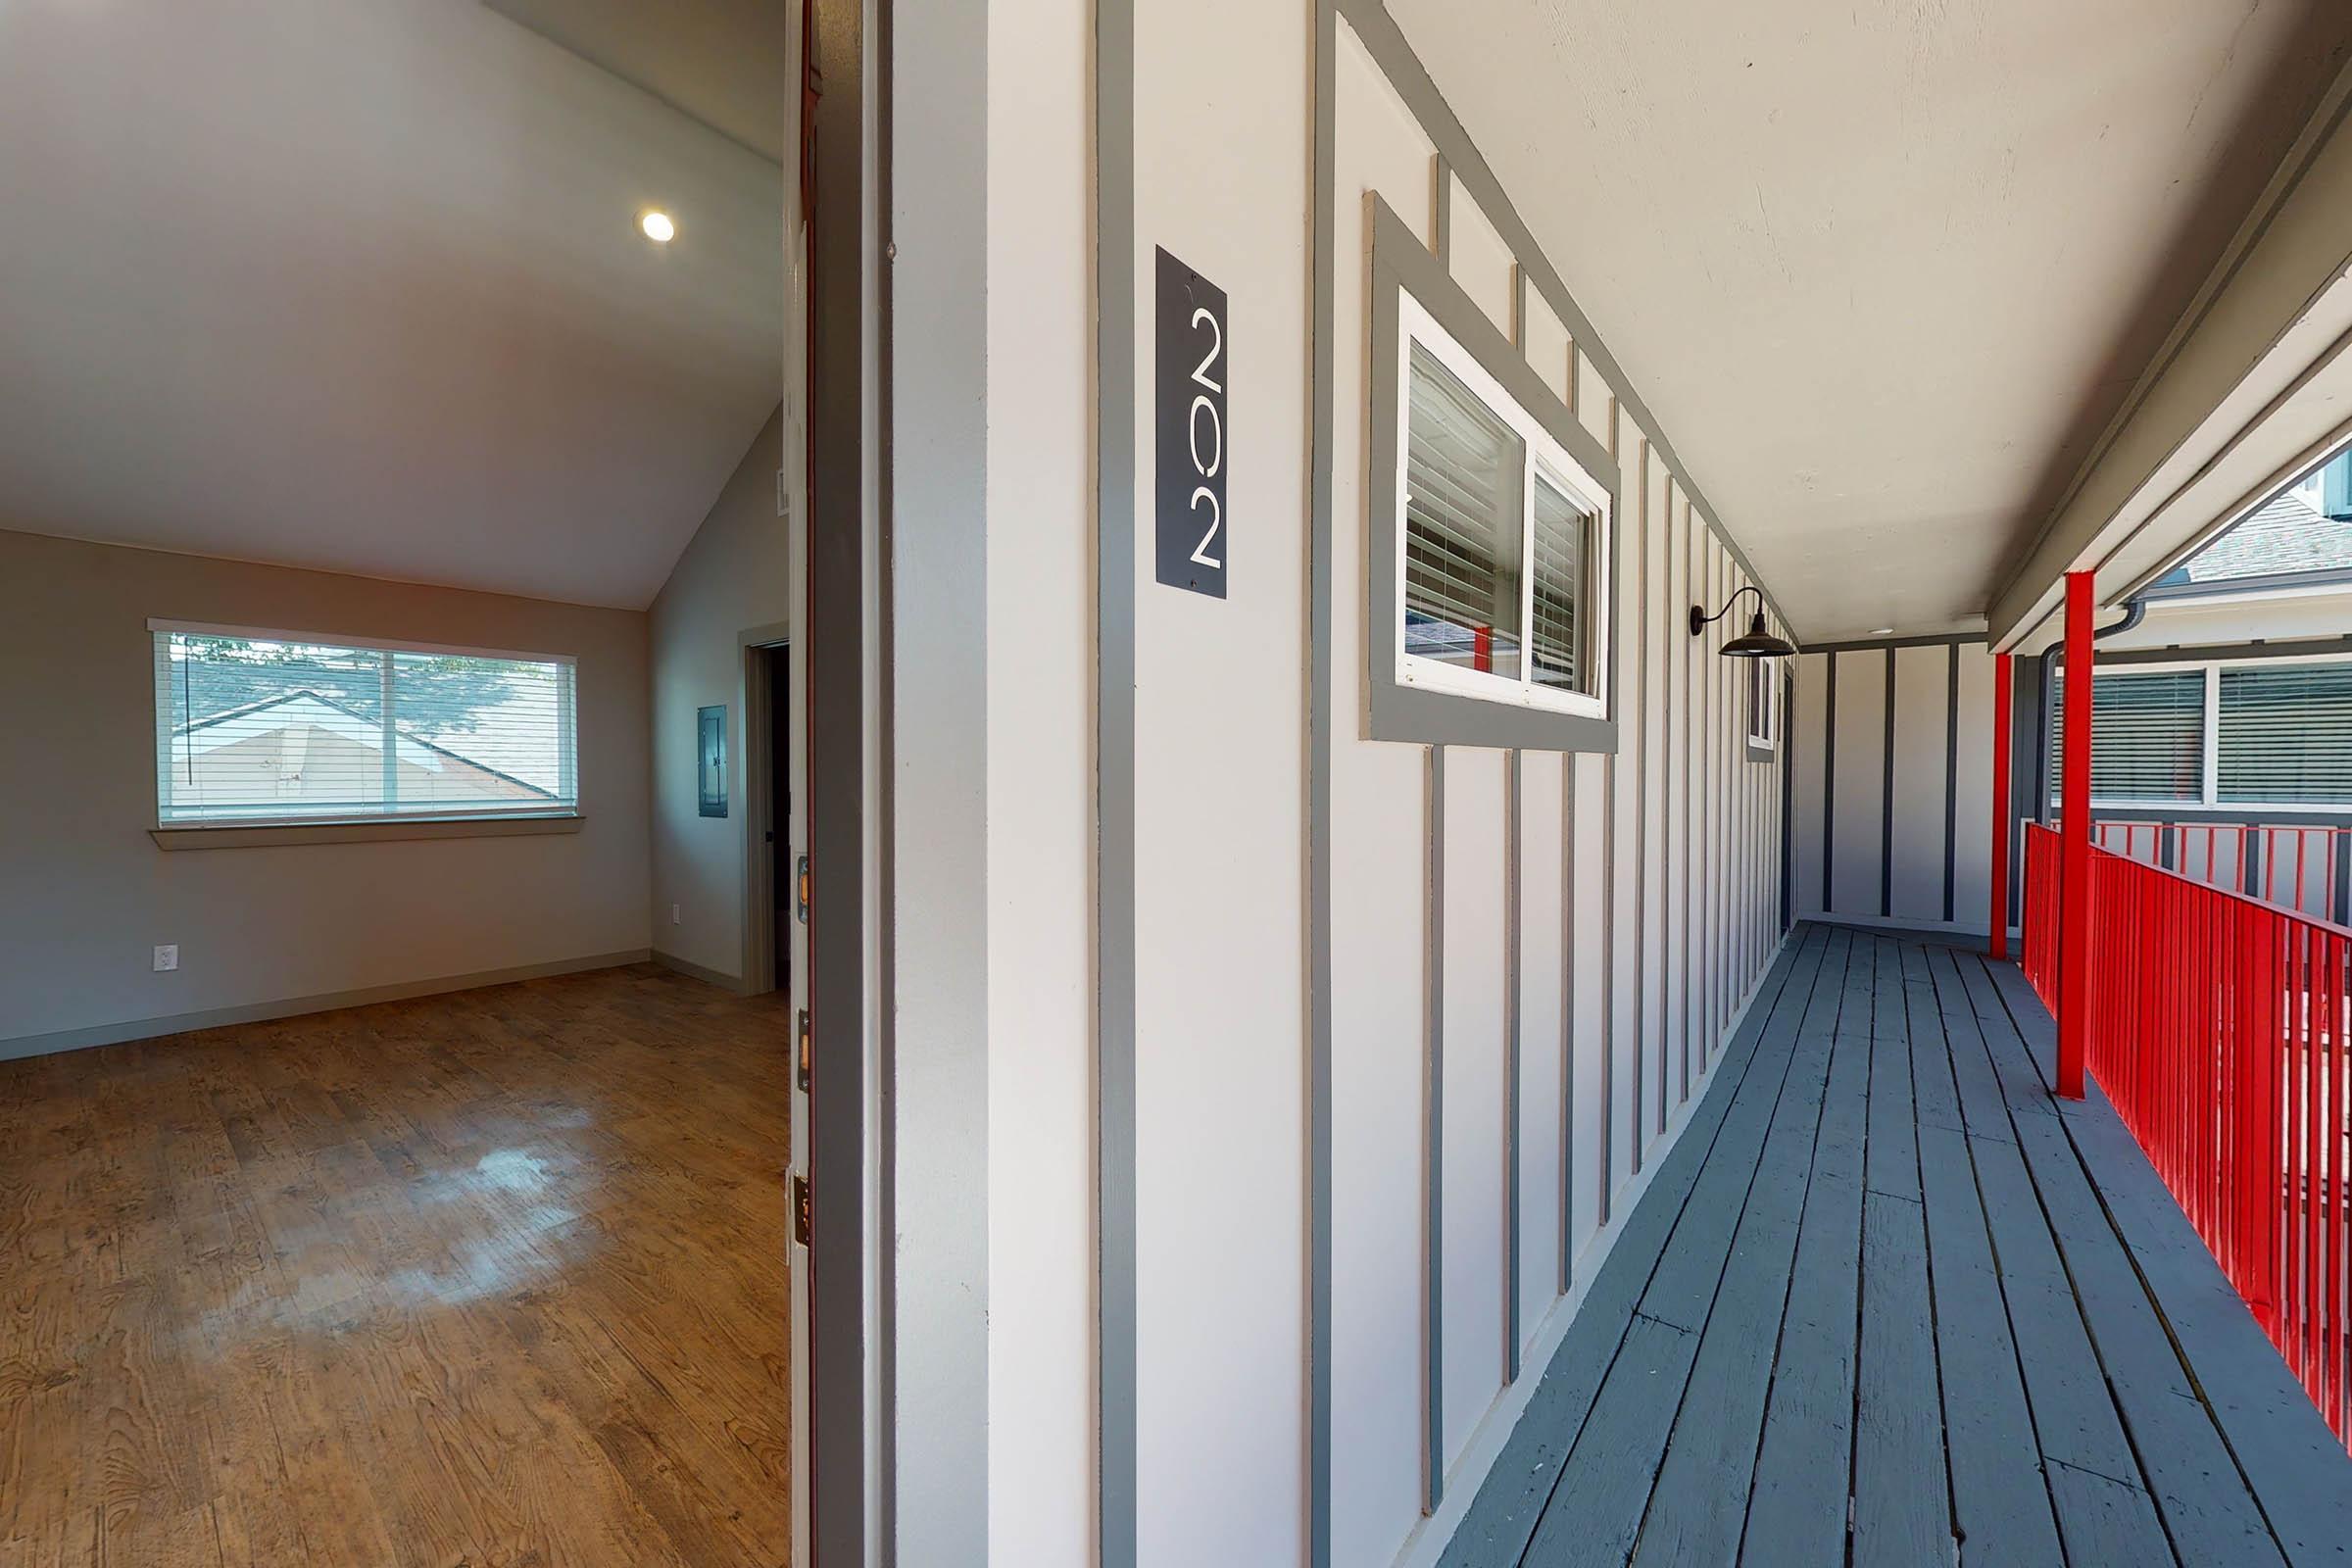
(1887, 1285)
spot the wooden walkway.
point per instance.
(1888, 1303)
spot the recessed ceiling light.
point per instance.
(658, 226)
(1882, 631)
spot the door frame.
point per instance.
(837, 313)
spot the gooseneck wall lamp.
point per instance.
(1758, 643)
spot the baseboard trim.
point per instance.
(694, 971)
(115, 1034)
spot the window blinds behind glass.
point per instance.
(2287, 735)
(1563, 543)
(250, 728)
(1463, 525)
(2147, 740)
(2147, 737)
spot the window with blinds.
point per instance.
(2147, 735)
(1463, 531)
(258, 728)
(2286, 735)
(1763, 691)
(1503, 538)
(1563, 544)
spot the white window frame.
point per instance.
(1544, 458)
(572, 806)
(1768, 707)
(2209, 782)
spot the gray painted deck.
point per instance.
(1889, 1301)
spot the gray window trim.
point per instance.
(1394, 711)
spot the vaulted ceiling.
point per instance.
(1884, 272)
(360, 287)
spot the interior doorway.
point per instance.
(771, 878)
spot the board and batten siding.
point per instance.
(1891, 805)
(1534, 957)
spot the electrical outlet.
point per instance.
(674, 914)
(167, 958)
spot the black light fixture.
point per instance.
(1757, 644)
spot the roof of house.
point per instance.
(306, 706)
(2284, 536)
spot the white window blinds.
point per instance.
(260, 728)
(1463, 525)
(2147, 736)
(2285, 734)
(1564, 536)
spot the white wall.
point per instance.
(85, 892)
(1041, 803)
(732, 577)
(1009, 903)
(1220, 758)
(1645, 886)
(1869, 837)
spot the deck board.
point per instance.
(1888, 1300)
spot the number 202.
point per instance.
(1216, 431)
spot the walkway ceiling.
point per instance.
(1884, 272)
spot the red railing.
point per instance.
(2298, 866)
(2217, 1029)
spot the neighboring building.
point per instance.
(311, 753)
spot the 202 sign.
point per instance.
(1189, 425)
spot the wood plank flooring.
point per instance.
(1887, 1302)
(487, 1279)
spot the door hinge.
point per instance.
(803, 1047)
(801, 885)
(802, 1217)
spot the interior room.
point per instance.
(397, 948)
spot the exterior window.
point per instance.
(2287, 734)
(1763, 704)
(2147, 739)
(2272, 734)
(1501, 534)
(255, 727)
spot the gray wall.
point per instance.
(85, 893)
(732, 577)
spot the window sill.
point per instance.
(214, 836)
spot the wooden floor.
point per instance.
(488, 1279)
(1888, 1302)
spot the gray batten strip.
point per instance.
(1567, 1269)
(1318, 794)
(1514, 801)
(1442, 194)
(1829, 781)
(1433, 1143)
(1952, 781)
(1114, 707)
(1641, 730)
(1887, 804)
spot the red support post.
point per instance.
(2074, 876)
(2002, 826)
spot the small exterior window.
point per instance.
(1763, 707)
(257, 728)
(1502, 531)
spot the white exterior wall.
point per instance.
(1459, 1242)
(1220, 757)
(1040, 797)
(1687, 920)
